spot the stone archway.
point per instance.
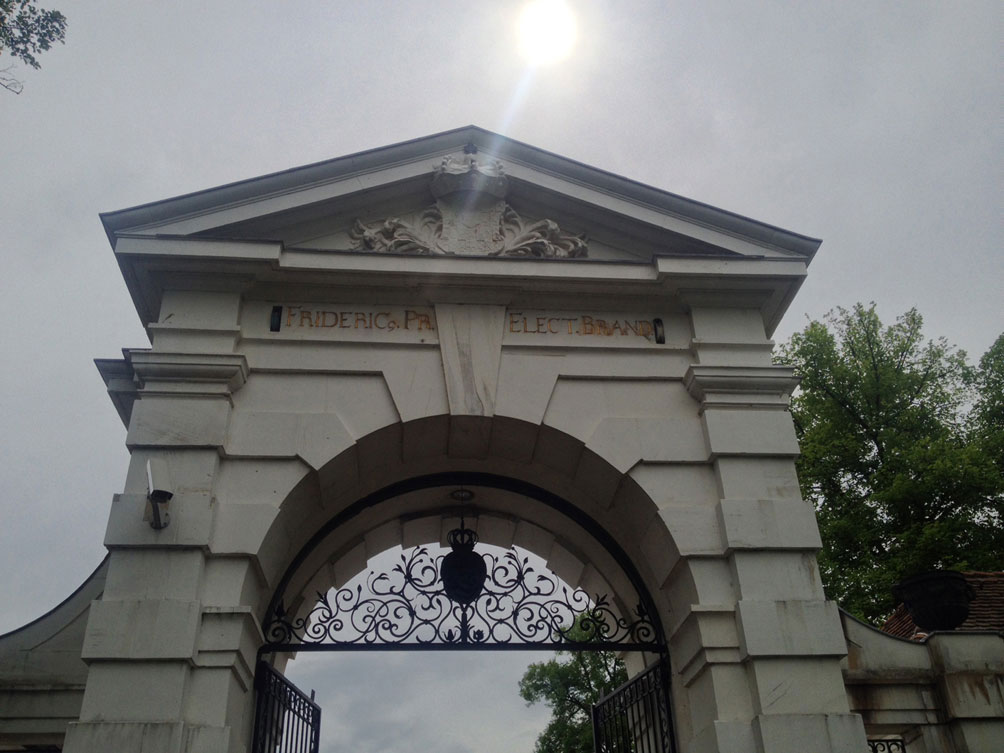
(311, 344)
(520, 607)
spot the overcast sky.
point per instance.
(872, 125)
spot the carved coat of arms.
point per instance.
(470, 218)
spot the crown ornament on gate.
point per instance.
(470, 218)
(464, 598)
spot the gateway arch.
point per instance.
(590, 356)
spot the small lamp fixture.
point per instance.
(463, 570)
(159, 492)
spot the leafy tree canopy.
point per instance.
(25, 31)
(902, 443)
(570, 684)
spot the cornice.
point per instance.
(730, 385)
(226, 371)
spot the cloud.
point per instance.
(459, 702)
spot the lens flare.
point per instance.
(546, 31)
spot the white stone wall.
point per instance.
(683, 451)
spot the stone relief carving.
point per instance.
(470, 217)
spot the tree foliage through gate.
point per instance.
(570, 684)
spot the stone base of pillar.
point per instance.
(145, 737)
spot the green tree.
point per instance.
(25, 31)
(988, 412)
(896, 458)
(570, 684)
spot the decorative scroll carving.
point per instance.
(543, 239)
(397, 237)
(409, 607)
(513, 237)
(470, 217)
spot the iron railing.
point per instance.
(635, 718)
(286, 719)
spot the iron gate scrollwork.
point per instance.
(635, 718)
(409, 607)
(286, 719)
(888, 745)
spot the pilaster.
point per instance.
(165, 667)
(788, 639)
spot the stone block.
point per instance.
(789, 628)
(320, 437)
(154, 574)
(190, 521)
(190, 308)
(737, 431)
(425, 439)
(557, 450)
(240, 528)
(564, 564)
(469, 437)
(974, 695)
(178, 422)
(699, 583)
(797, 686)
(703, 629)
(420, 531)
(959, 652)
(416, 383)
(512, 439)
(260, 434)
(695, 530)
(734, 737)
(206, 739)
(230, 580)
(624, 442)
(127, 691)
(470, 338)
(768, 524)
(191, 470)
(777, 576)
(757, 478)
(729, 325)
(978, 735)
(496, 531)
(363, 402)
(141, 629)
(672, 485)
(823, 733)
(526, 383)
(281, 393)
(246, 482)
(382, 538)
(168, 338)
(597, 478)
(134, 737)
(532, 537)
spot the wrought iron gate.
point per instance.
(635, 718)
(466, 599)
(286, 720)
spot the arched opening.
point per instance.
(589, 597)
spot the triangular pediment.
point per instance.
(331, 205)
(465, 210)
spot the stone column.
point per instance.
(779, 685)
(171, 661)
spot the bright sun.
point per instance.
(546, 31)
